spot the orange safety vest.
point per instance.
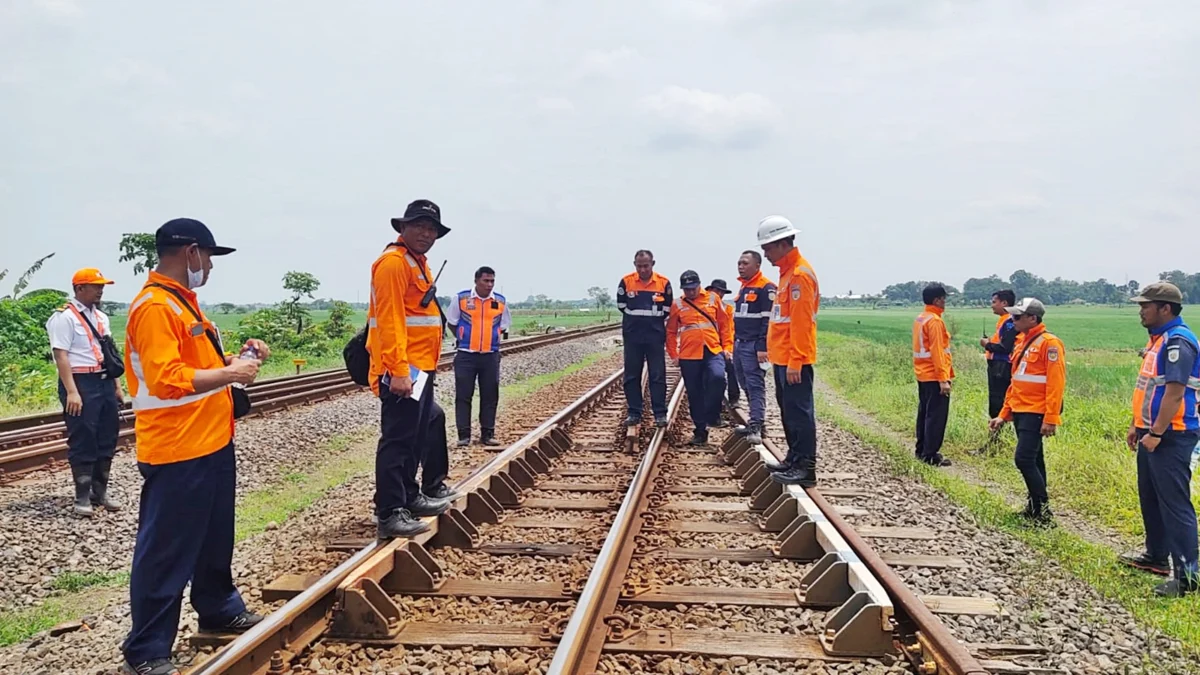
(792, 333)
(1039, 376)
(403, 334)
(479, 321)
(690, 333)
(164, 347)
(1152, 385)
(728, 325)
(91, 342)
(932, 361)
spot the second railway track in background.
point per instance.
(588, 547)
(34, 442)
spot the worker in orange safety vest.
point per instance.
(1034, 401)
(721, 289)
(934, 368)
(698, 339)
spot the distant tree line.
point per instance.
(1057, 291)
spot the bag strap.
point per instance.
(97, 345)
(216, 342)
(704, 314)
(1026, 348)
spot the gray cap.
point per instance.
(1030, 306)
(1160, 291)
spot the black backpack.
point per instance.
(358, 359)
(114, 364)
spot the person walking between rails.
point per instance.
(999, 349)
(1034, 401)
(721, 289)
(478, 315)
(644, 298)
(698, 339)
(180, 383)
(89, 388)
(934, 368)
(792, 349)
(1164, 433)
(751, 317)
(405, 341)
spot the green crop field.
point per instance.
(866, 355)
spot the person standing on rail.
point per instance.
(698, 338)
(1034, 401)
(792, 349)
(179, 383)
(999, 349)
(721, 289)
(934, 368)
(478, 316)
(405, 341)
(644, 298)
(1164, 433)
(751, 318)
(89, 393)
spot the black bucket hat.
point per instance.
(718, 285)
(422, 209)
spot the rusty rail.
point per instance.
(940, 652)
(350, 587)
(33, 442)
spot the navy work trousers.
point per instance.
(999, 377)
(731, 381)
(412, 433)
(185, 533)
(933, 411)
(1030, 456)
(92, 434)
(469, 367)
(1164, 489)
(704, 381)
(654, 355)
(752, 379)
(798, 416)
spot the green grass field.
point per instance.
(866, 355)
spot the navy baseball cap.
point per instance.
(689, 279)
(422, 209)
(186, 231)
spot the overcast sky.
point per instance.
(906, 138)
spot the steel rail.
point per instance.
(583, 639)
(947, 653)
(304, 618)
(31, 448)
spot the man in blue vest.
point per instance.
(751, 317)
(478, 316)
(644, 299)
(999, 349)
(1164, 433)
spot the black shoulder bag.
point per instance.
(114, 364)
(241, 399)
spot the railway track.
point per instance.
(588, 547)
(34, 442)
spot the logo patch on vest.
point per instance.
(795, 291)
(771, 296)
(630, 293)
(1052, 354)
(1173, 354)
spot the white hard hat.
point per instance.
(774, 228)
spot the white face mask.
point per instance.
(195, 279)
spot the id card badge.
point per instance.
(196, 329)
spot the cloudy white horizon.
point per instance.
(907, 139)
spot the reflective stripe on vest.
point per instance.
(1151, 385)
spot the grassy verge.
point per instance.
(1093, 563)
(349, 456)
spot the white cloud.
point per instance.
(1012, 203)
(693, 116)
(131, 72)
(555, 104)
(59, 7)
(603, 64)
(18, 73)
(200, 122)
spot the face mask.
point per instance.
(195, 279)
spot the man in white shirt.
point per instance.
(91, 399)
(478, 317)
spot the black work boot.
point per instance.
(660, 421)
(803, 475)
(464, 442)
(754, 434)
(238, 624)
(440, 491)
(151, 667)
(100, 496)
(488, 438)
(82, 475)
(1142, 561)
(400, 523)
(422, 506)
(1042, 515)
(776, 467)
(1179, 586)
(699, 438)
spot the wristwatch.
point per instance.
(1151, 433)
